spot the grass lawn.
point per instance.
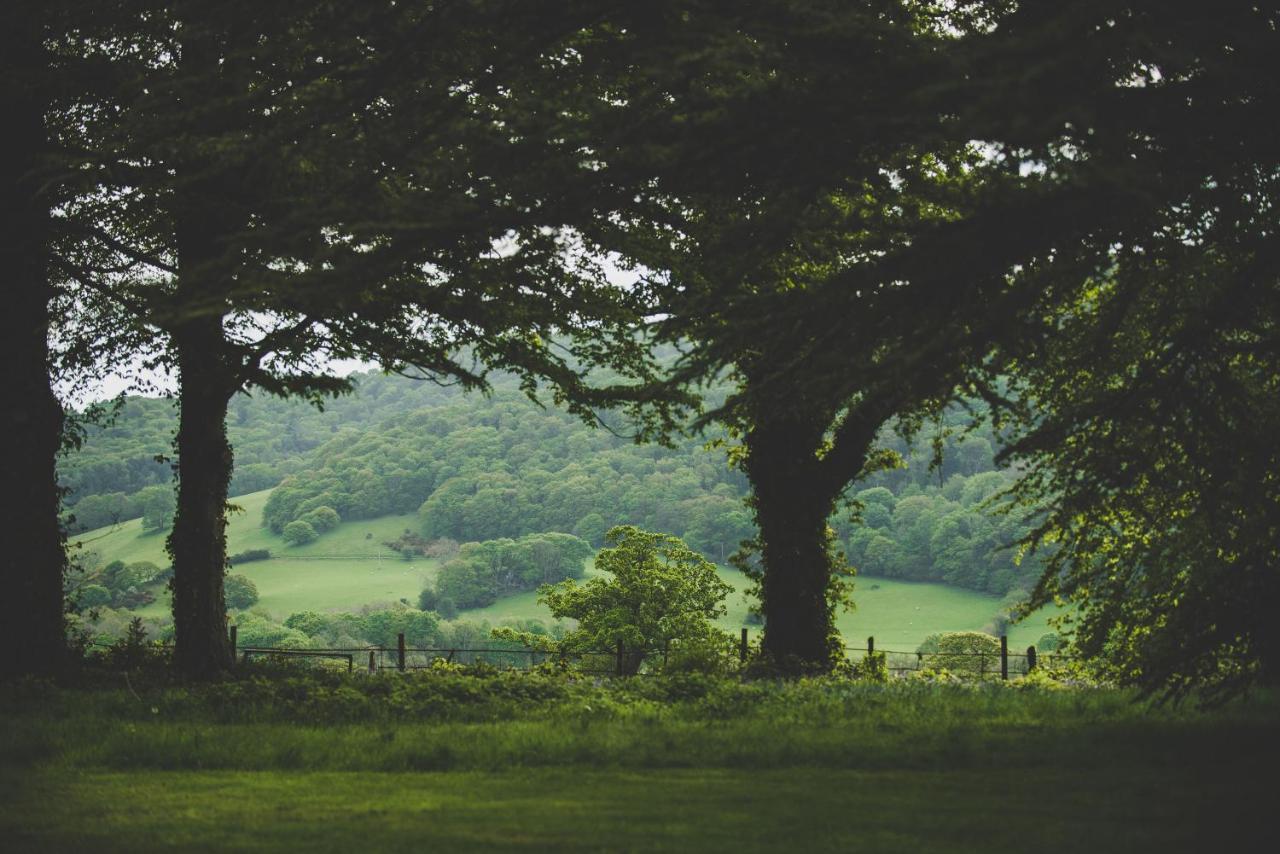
(797, 809)
(537, 765)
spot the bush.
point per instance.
(249, 556)
(299, 533)
(241, 593)
(322, 519)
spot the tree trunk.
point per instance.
(791, 511)
(208, 372)
(31, 567)
(198, 542)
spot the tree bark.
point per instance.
(198, 541)
(32, 563)
(208, 372)
(791, 510)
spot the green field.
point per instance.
(342, 570)
(349, 567)
(533, 763)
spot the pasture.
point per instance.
(349, 567)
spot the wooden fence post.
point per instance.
(400, 652)
(620, 652)
(373, 668)
(1004, 656)
(871, 646)
(234, 629)
(742, 647)
(1031, 658)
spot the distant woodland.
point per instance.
(481, 468)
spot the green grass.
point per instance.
(1132, 809)
(342, 570)
(348, 567)
(639, 765)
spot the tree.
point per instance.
(1143, 404)
(322, 519)
(299, 533)
(659, 591)
(845, 267)
(961, 652)
(94, 596)
(157, 504)
(290, 186)
(241, 592)
(31, 569)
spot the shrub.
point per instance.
(241, 593)
(322, 519)
(299, 533)
(249, 556)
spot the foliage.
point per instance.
(299, 533)
(157, 505)
(93, 595)
(322, 519)
(482, 572)
(961, 652)
(240, 591)
(659, 591)
(370, 627)
(248, 556)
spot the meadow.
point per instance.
(349, 567)
(532, 762)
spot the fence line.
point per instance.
(623, 661)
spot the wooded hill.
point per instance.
(480, 468)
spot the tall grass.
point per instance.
(449, 721)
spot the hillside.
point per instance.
(349, 569)
(470, 467)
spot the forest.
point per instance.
(983, 293)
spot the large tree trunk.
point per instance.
(198, 542)
(32, 562)
(791, 511)
(208, 374)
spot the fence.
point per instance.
(1003, 664)
(622, 661)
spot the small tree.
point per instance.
(961, 652)
(298, 533)
(158, 505)
(241, 593)
(94, 596)
(323, 519)
(660, 591)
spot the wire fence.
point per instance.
(624, 661)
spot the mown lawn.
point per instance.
(458, 761)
